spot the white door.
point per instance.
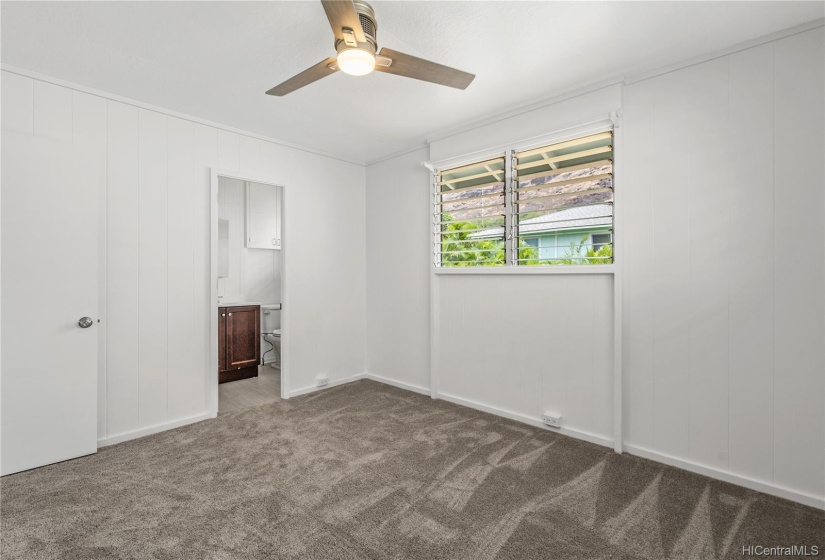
(48, 370)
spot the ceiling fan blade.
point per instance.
(313, 74)
(420, 69)
(341, 14)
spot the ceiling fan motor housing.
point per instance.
(356, 45)
(366, 15)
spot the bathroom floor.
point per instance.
(246, 393)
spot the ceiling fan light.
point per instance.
(356, 62)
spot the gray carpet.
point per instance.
(368, 471)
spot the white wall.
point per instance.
(254, 274)
(398, 274)
(523, 345)
(724, 275)
(526, 344)
(155, 308)
(517, 345)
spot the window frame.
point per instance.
(437, 202)
(510, 149)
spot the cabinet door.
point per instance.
(243, 337)
(263, 216)
(222, 339)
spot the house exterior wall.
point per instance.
(558, 245)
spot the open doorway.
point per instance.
(248, 292)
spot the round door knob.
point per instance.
(85, 322)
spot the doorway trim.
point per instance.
(212, 375)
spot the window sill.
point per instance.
(518, 270)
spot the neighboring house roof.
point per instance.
(580, 217)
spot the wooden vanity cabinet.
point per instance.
(239, 342)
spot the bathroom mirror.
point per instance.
(223, 248)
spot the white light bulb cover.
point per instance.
(356, 62)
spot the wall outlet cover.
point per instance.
(552, 420)
(321, 380)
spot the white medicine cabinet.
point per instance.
(263, 216)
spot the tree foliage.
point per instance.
(460, 249)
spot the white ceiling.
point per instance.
(214, 60)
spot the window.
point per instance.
(469, 215)
(557, 210)
(599, 240)
(564, 193)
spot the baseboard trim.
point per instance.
(570, 432)
(334, 383)
(139, 433)
(578, 434)
(811, 500)
(399, 384)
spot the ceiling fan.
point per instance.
(355, 29)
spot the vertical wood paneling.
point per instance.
(153, 271)
(205, 156)
(602, 349)
(638, 330)
(147, 255)
(554, 330)
(468, 373)
(17, 110)
(52, 116)
(491, 340)
(89, 131)
(738, 143)
(529, 344)
(578, 409)
(122, 269)
(453, 348)
(228, 150)
(709, 263)
(800, 310)
(376, 210)
(410, 271)
(181, 268)
(671, 162)
(752, 260)
(248, 155)
(524, 353)
(271, 161)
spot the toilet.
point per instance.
(271, 334)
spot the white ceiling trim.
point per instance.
(399, 153)
(169, 112)
(532, 106)
(556, 97)
(795, 30)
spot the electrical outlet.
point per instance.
(321, 380)
(551, 420)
